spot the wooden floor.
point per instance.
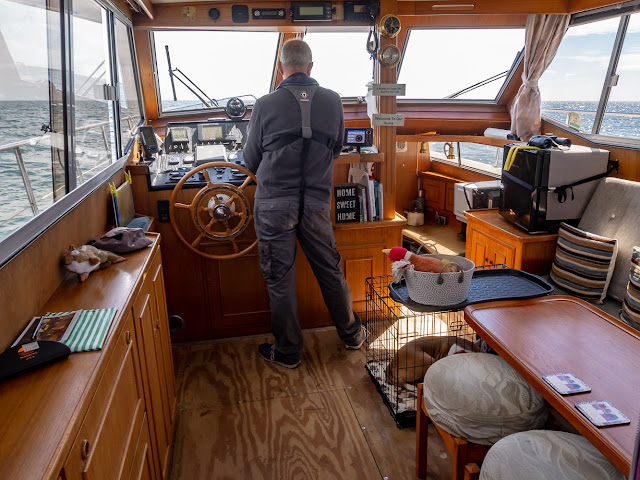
(240, 417)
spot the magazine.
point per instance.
(56, 326)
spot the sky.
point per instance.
(437, 63)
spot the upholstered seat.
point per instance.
(478, 396)
(546, 455)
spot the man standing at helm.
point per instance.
(294, 134)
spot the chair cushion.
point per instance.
(584, 263)
(480, 397)
(631, 303)
(613, 212)
(546, 455)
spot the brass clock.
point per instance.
(389, 26)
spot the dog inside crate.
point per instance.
(402, 346)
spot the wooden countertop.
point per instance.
(43, 409)
(491, 217)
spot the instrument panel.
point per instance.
(191, 144)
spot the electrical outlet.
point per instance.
(441, 219)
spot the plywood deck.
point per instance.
(240, 417)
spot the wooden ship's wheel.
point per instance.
(219, 211)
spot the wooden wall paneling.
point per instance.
(479, 7)
(408, 163)
(411, 20)
(19, 301)
(145, 68)
(386, 136)
(629, 159)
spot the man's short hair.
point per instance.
(295, 55)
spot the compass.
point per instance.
(389, 26)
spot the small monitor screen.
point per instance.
(212, 132)
(148, 135)
(312, 10)
(179, 135)
(355, 137)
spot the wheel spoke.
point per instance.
(205, 173)
(182, 205)
(236, 249)
(197, 241)
(232, 199)
(245, 183)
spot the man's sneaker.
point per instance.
(360, 340)
(268, 352)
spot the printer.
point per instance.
(474, 195)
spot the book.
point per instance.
(27, 334)
(566, 383)
(602, 413)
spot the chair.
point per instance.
(469, 416)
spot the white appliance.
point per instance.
(474, 195)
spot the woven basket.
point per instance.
(440, 289)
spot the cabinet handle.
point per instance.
(128, 337)
(84, 450)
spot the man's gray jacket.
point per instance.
(274, 146)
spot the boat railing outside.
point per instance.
(16, 147)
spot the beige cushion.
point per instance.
(480, 397)
(613, 212)
(546, 455)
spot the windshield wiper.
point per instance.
(479, 84)
(173, 73)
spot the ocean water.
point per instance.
(23, 121)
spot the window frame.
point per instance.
(471, 165)
(593, 16)
(26, 234)
(156, 76)
(511, 74)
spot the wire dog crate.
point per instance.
(403, 343)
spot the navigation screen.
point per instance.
(179, 135)
(212, 132)
(356, 137)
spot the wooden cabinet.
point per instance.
(106, 443)
(142, 468)
(439, 192)
(156, 363)
(492, 240)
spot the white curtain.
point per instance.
(542, 39)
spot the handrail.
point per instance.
(15, 146)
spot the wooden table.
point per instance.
(563, 334)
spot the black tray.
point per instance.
(486, 286)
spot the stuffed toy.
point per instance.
(420, 263)
(85, 259)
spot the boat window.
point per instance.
(468, 64)
(592, 84)
(346, 51)
(209, 67)
(95, 141)
(130, 113)
(59, 121)
(483, 158)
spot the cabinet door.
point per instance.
(449, 197)
(142, 468)
(485, 250)
(151, 361)
(103, 449)
(434, 194)
(358, 264)
(163, 345)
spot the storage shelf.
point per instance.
(400, 220)
(346, 158)
(496, 142)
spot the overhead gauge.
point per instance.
(389, 55)
(389, 26)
